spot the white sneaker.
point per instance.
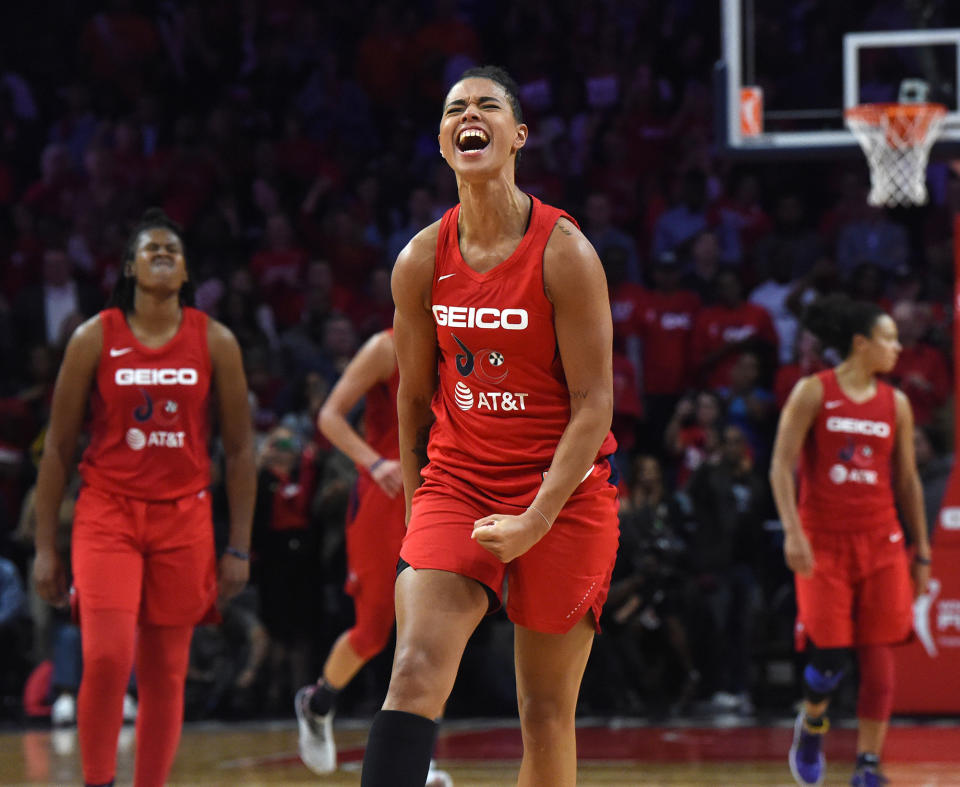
(437, 778)
(63, 712)
(129, 709)
(317, 749)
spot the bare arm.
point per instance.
(415, 337)
(70, 395)
(236, 432)
(374, 363)
(575, 284)
(909, 492)
(795, 421)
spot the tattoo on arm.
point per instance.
(420, 446)
(579, 394)
(563, 229)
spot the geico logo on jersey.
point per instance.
(495, 401)
(841, 474)
(472, 317)
(858, 426)
(137, 440)
(156, 377)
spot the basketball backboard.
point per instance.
(788, 70)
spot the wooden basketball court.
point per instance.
(486, 753)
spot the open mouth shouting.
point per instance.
(472, 141)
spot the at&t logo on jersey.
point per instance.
(137, 440)
(841, 474)
(156, 377)
(482, 317)
(494, 401)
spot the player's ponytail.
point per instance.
(835, 319)
(123, 288)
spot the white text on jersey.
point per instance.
(858, 426)
(472, 317)
(156, 377)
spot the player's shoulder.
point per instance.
(570, 261)
(808, 391)
(415, 266)
(88, 335)
(220, 339)
(421, 251)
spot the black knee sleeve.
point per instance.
(824, 671)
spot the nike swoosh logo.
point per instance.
(114, 352)
(831, 405)
(895, 537)
(445, 276)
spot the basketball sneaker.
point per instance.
(868, 776)
(437, 778)
(807, 763)
(317, 749)
(63, 712)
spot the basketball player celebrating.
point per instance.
(375, 528)
(853, 436)
(504, 341)
(143, 552)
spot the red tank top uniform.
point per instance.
(502, 401)
(845, 469)
(380, 426)
(149, 408)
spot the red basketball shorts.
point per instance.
(860, 592)
(374, 532)
(548, 588)
(152, 558)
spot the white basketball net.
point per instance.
(896, 139)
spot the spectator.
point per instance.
(872, 237)
(921, 371)
(42, 310)
(683, 221)
(934, 466)
(602, 233)
(791, 235)
(730, 501)
(692, 435)
(665, 323)
(773, 294)
(729, 328)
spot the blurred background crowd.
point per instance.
(296, 144)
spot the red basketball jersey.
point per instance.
(502, 401)
(149, 411)
(380, 426)
(845, 468)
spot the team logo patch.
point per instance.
(488, 365)
(136, 439)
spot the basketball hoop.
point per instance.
(896, 139)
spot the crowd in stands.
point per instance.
(295, 142)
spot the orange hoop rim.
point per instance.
(874, 113)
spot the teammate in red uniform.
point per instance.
(853, 435)
(375, 528)
(143, 552)
(504, 342)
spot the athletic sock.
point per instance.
(398, 750)
(323, 698)
(868, 759)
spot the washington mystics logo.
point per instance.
(487, 365)
(167, 414)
